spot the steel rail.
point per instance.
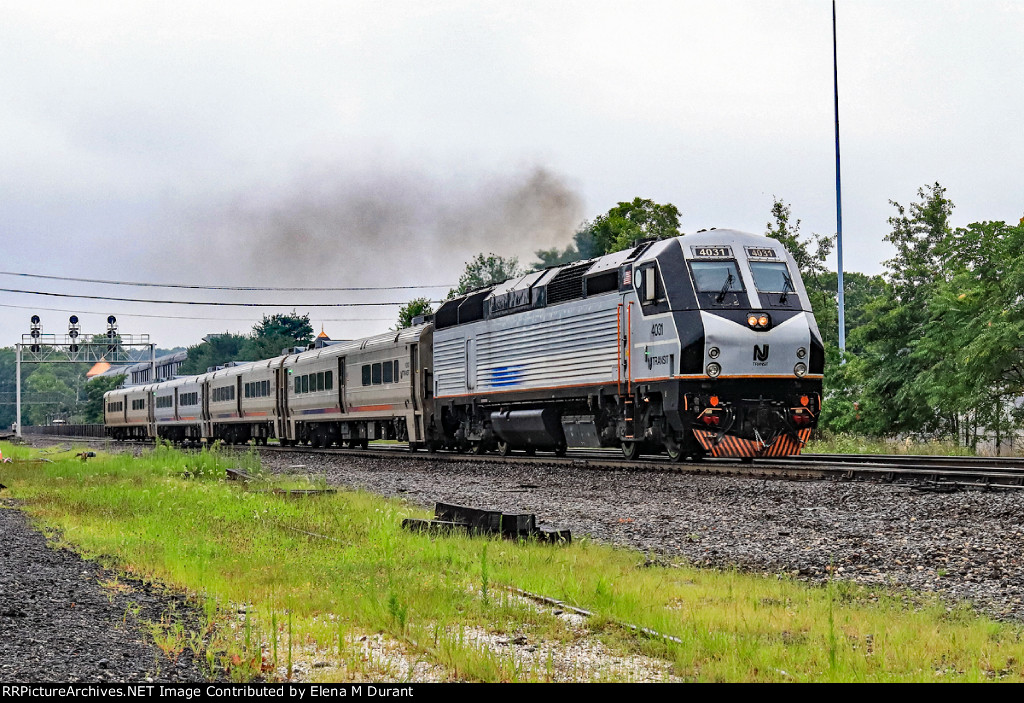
(936, 471)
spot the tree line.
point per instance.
(935, 344)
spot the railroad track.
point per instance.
(924, 472)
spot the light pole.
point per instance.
(839, 190)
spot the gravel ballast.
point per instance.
(58, 623)
(964, 546)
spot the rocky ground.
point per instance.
(965, 546)
(58, 623)
(66, 620)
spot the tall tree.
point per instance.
(414, 308)
(277, 332)
(616, 230)
(486, 270)
(218, 350)
(895, 361)
(971, 350)
(92, 411)
(628, 222)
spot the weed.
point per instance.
(340, 565)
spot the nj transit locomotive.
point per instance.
(697, 345)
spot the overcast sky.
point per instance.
(384, 143)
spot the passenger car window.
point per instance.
(366, 375)
(376, 374)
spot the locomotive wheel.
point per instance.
(631, 450)
(479, 448)
(504, 448)
(674, 451)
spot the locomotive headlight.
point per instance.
(713, 352)
(801, 353)
(762, 321)
(800, 369)
(714, 370)
(752, 320)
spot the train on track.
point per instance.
(700, 345)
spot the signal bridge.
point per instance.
(111, 347)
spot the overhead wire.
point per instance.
(207, 287)
(185, 317)
(304, 304)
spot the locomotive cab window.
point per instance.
(773, 278)
(717, 282)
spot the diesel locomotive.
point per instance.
(699, 345)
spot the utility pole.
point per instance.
(839, 189)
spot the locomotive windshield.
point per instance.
(771, 277)
(716, 276)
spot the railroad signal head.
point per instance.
(111, 320)
(35, 319)
(73, 319)
(73, 348)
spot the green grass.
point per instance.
(171, 517)
(840, 443)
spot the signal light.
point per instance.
(73, 319)
(35, 319)
(111, 320)
(35, 333)
(73, 348)
(714, 401)
(804, 400)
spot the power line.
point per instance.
(196, 302)
(187, 317)
(199, 287)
